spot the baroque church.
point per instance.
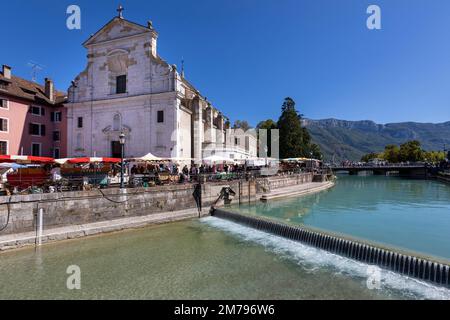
(127, 87)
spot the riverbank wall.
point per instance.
(78, 214)
(19, 212)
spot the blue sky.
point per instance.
(246, 56)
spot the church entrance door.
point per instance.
(116, 151)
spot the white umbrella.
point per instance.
(148, 157)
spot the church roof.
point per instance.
(114, 20)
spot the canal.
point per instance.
(217, 259)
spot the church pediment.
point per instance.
(118, 28)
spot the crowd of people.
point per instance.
(185, 173)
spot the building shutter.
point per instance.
(42, 111)
(43, 130)
(30, 128)
(52, 116)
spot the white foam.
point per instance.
(313, 259)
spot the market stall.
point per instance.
(30, 172)
(79, 173)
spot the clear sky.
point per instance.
(246, 56)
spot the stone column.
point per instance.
(209, 127)
(198, 129)
(220, 125)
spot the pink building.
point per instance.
(33, 120)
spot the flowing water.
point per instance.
(217, 259)
(413, 215)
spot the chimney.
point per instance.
(7, 71)
(49, 90)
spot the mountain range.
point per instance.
(342, 139)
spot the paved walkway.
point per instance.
(15, 241)
(297, 190)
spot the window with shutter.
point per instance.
(3, 103)
(35, 129)
(3, 148)
(3, 124)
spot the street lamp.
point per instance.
(122, 154)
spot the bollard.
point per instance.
(40, 225)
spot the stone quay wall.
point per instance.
(276, 182)
(82, 207)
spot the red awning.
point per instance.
(26, 159)
(94, 160)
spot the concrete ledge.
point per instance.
(15, 241)
(298, 190)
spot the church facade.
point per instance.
(127, 87)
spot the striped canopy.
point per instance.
(88, 160)
(25, 159)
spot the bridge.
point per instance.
(411, 170)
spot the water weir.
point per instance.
(414, 267)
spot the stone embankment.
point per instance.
(77, 214)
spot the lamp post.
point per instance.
(122, 154)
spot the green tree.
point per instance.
(238, 124)
(295, 141)
(411, 151)
(315, 151)
(370, 156)
(391, 153)
(268, 124)
(434, 156)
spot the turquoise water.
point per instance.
(206, 259)
(413, 215)
(217, 259)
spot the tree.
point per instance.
(238, 124)
(370, 156)
(391, 153)
(315, 151)
(268, 124)
(411, 151)
(434, 156)
(295, 141)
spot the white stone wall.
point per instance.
(123, 48)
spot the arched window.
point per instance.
(117, 122)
